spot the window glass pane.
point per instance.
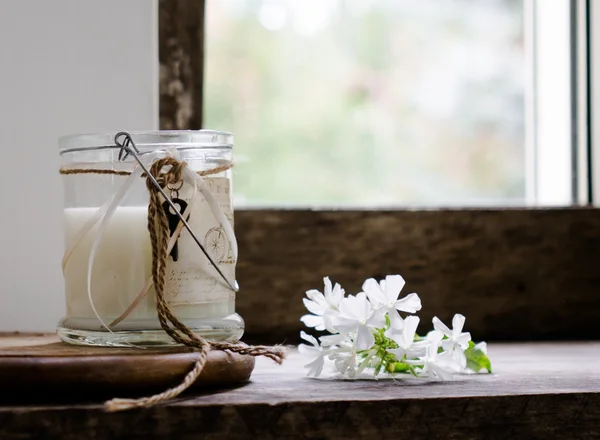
(369, 102)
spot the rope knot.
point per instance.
(167, 172)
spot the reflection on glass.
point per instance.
(369, 102)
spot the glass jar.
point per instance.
(114, 310)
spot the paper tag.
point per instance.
(191, 279)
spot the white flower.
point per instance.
(333, 340)
(405, 339)
(344, 359)
(457, 341)
(315, 353)
(324, 306)
(358, 316)
(385, 295)
(355, 322)
(434, 364)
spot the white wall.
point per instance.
(66, 66)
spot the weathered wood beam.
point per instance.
(516, 274)
(181, 56)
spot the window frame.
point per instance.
(467, 255)
(558, 137)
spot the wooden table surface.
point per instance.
(538, 390)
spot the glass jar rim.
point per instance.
(148, 140)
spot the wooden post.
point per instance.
(181, 57)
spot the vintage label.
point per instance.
(191, 279)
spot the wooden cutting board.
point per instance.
(59, 371)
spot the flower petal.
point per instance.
(458, 322)
(315, 367)
(463, 340)
(411, 303)
(309, 338)
(393, 286)
(362, 296)
(329, 340)
(344, 325)
(329, 318)
(350, 372)
(417, 349)
(347, 308)
(441, 327)
(434, 338)
(364, 338)
(440, 372)
(345, 363)
(377, 319)
(313, 306)
(336, 295)
(374, 292)
(448, 361)
(317, 322)
(459, 357)
(318, 298)
(391, 332)
(327, 289)
(356, 307)
(410, 328)
(396, 321)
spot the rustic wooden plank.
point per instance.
(18, 339)
(542, 390)
(516, 274)
(181, 57)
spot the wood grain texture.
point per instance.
(536, 392)
(38, 372)
(181, 57)
(516, 274)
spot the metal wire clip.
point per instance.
(128, 147)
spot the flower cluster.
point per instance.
(368, 335)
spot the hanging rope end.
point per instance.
(116, 405)
(278, 353)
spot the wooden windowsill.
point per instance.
(538, 390)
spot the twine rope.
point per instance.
(168, 172)
(68, 171)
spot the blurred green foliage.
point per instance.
(369, 102)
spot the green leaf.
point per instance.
(398, 367)
(477, 359)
